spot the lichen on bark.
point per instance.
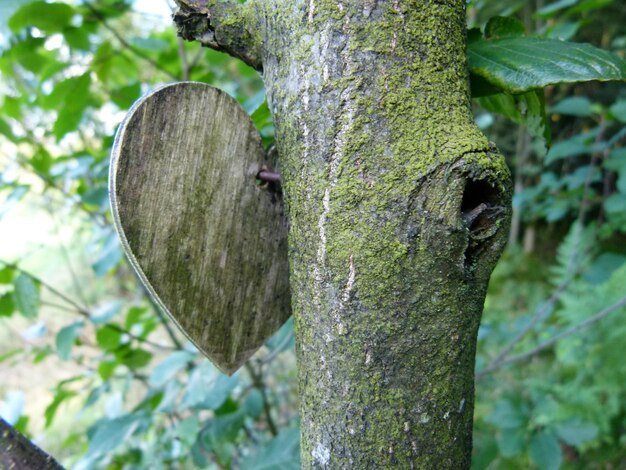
(380, 161)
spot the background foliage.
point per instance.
(96, 375)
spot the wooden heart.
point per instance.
(207, 241)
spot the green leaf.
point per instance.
(545, 451)
(484, 453)
(9, 354)
(41, 161)
(579, 106)
(503, 27)
(229, 406)
(615, 203)
(48, 17)
(7, 305)
(136, 315)
(579, 144)
(187, 430)
(507, 415)
(527, 109)
(95, 394)
(6, 275)
(223, 428)
(106, 369)
(110, 256)
(53, 407)
(26, 295)
(5, 130)
(621, 182)
(557, 210)
(166, 370)
(263, 121)
(554, 7)
(108, 338)
(520, 64)
(563, 30)
(77, 38)
(616, 160)
(66, 337)
(618, 110)
(589, 5)
(261, 116)
(170, 401)
(28, 53)
(253, 405)
(602, 268)
(199, 455)
(577, 431)
(126, 95)
(220, 432)
(281, 453)
(108, 434)
(97, 196)
(76, 98)
(208, 389)
(133, 358)
(511, 441)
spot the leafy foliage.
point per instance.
(124, 390)
(548, 387)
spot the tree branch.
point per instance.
(552, 341)
(544, 310)
(18, 453)
(228, 27)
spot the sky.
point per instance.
(159, 8)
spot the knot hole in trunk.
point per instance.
(483, 209)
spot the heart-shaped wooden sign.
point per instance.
(208, 242)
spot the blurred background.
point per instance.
(98, 377)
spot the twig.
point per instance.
(259, 384)
(128, 45)
(197, 57)
(78, 308)
(83, 311)
(98, 217)
(182, 53)
(166, 324)
(552, 341)
(277, 350)
(541, 314)
(523, 152)
(66, 257)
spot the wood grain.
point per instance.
(207, 241)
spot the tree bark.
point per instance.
(18, 453)
(398, 209)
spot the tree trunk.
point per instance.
(398, 208)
